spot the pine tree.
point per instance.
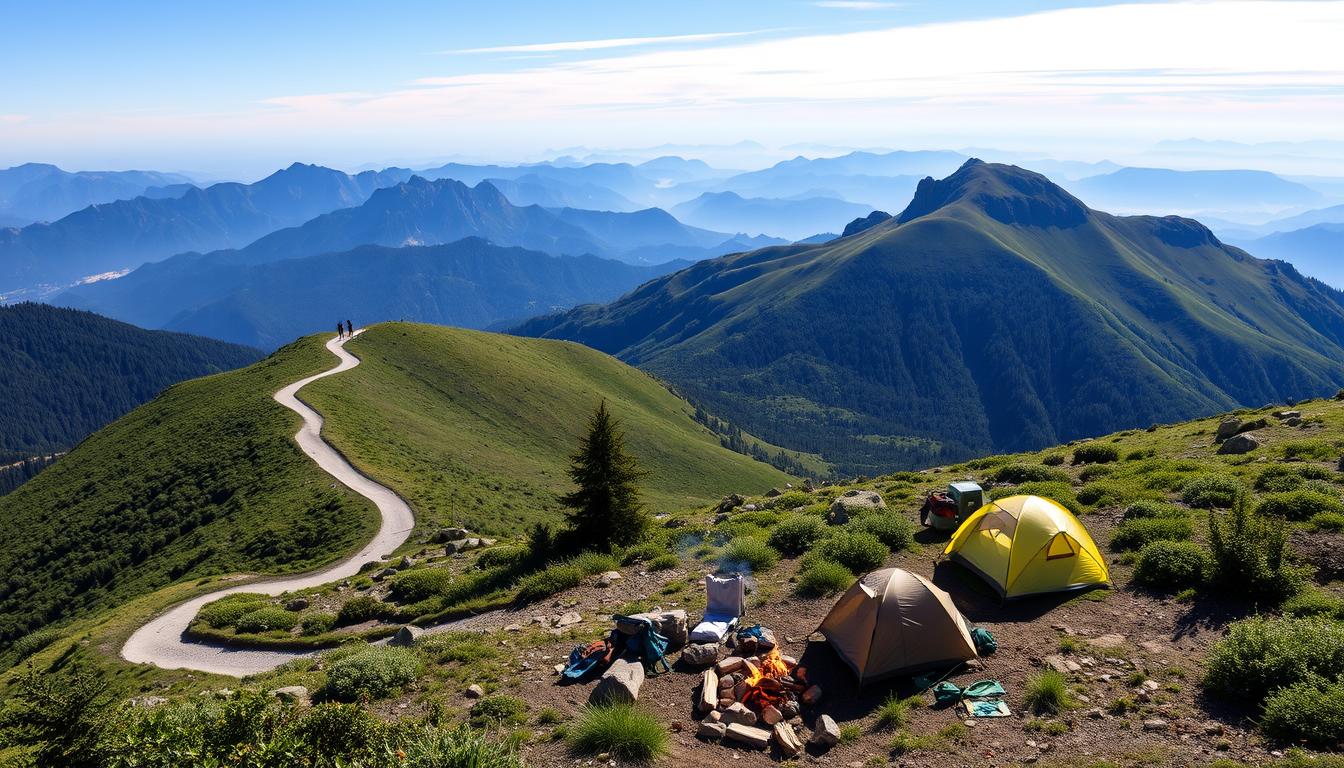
(605, 510)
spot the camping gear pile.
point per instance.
(636, 648)
(947, 511)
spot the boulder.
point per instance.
(455, 546)
(1227, 428)
(670, 624)
(772, 493)
(609, 578)
(620, 683)
(474, 691)
(852, 502)
(812, 695)
(1239, 444)
(700, 654)
(711, 731)
(449, 534)
(406, 637)
(737, 712)
(730, 664)
(745, 734)
(294, 694)
(567, 619)
(297, 604)
(827, 733)
(1289, 414)
(770, 715)
(808, 486)
(731, 502)
(1057, 663)
(383, 574)
(404, 563)
(1155, 724)
(708, 699)
(787, 740)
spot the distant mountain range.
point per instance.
(65, 373)
(996, 312)
(1317, 250)
(127, 233)
(469, 283)
(792, 219)
(35, 192)
(1154, 190)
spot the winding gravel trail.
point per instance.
(160, 641)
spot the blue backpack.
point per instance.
(647, 644)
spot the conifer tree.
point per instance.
(605, 510)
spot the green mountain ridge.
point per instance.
(997, 312)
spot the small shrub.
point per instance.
(894, 712)
(664, 562)
(549, 581)
(1332, 522)
(796, 534)
(1047, 693)
(753, 553)
(1313, 602)
(895, 532)
(358, 610)
(268, 618)
(420, 584)
(620, 730)
(1308, 713)
(33, 642)
(1095, 472)
(1171, 565)
(1299, 504)
(1211, 490)
(1260, 655)
(858, 551)
(1109, 493)
(820, 577)
(318, 623)
(643, 553)
(463, 647)
(1144, 508)
(550, 716)
(1015, 474)
(1310, 450)
(374, 672)
(590, 563)
(494, 711)
(1095, 453)
(1053, 460)
(1279, 478)
(226, 611)
(499, 557)
(1135, 534)
(1250, 555)
(790, 500)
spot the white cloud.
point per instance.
(598, 45)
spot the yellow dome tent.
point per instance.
(1028, 545)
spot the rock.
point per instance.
(383, 574)
(455, 546)
(711, 731)
(403, 563)
(474, 691)
(294, 694)
(709, 691)
(609, 578)
(567, 619)
(808, 486)
(1293, 421)
(1239, 444)
(700, 654)
(770, 715)
(729, 665)
(853, 502)
(749, 508)
(487, 542)
(1108, 641)
(715, 716)
(1150, 685)
(1057, 663)
(731, 502)
(726, 701)
(513, 627)
(670, 624)
(812, 695)
(297, 604)
(1227, 428)
(1154, 724)
(369, 566)
(620, 683)
(787, 740)
(1288, 414)
(772, 493)
(1072, 666)
(449, 534)
(406, 637)
(1095, 713)
(827, 733)
(745, 734)
(737, 712)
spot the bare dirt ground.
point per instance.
(1116, 640)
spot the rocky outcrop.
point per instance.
(852, 502)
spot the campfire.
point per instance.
(773, 683)
(744, 695)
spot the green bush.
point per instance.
(31, 643)
(498, 710)
(619, 730)
(268, 618)
(374, 672)
(753, 553)
(1053, 460)
(1135, 534)
(1060, 492)
(1308, 713)
(1015, 474)
(1110, 493)
(1314, 602)
(1299, 505)
(226, 611)
(1311, 450)
(858, 551)
(502, 557)
(1279, 478)
(1328, 521)
(1171, 565)
(549, 581)
(796, 534)
(819, 577)
(895, 532)
(1250, 555)
(360, 609)
(790, 500)
(1095, 472)
(464, 647)
(1211, 490)
(1144, 508)
(419, 584)
(1095, 453)
(590, 563)
(664, 562)
(1046, 693)
(1260, 655)
(318, 623)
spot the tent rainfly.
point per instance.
(1028, 545)
(893, 622)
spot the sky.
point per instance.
(236, 89)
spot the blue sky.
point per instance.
(238, 87)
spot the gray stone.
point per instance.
(827, 733)
(853, 502)
(737, 712)
(772, 493)
(609, 578)
(1108, 641)
(1287, 414)
(620, 683)
(455, 546)
(710, 730)
(700, 654)
(294, 694)
(385, 573)
(404, 563)
(1239, 444)
(1154, 724)
(406, 637)
(474, 691)
(297, 604)
(450, 534)
(567, 619)
(1057, 663)
(745, 734)
(1227, 428)
(787, 740)
(731, 502)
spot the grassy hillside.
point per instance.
(66, 373)
(996, 313)
(476, 428)
(204, 479)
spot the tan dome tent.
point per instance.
(893, 622)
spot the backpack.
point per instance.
(985, 643)
(645, 642)
(587, 658)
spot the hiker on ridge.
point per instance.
(349, 329)
(340, 331)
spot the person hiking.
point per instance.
(349, 329)
(340, 330)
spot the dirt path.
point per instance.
(160, 641)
